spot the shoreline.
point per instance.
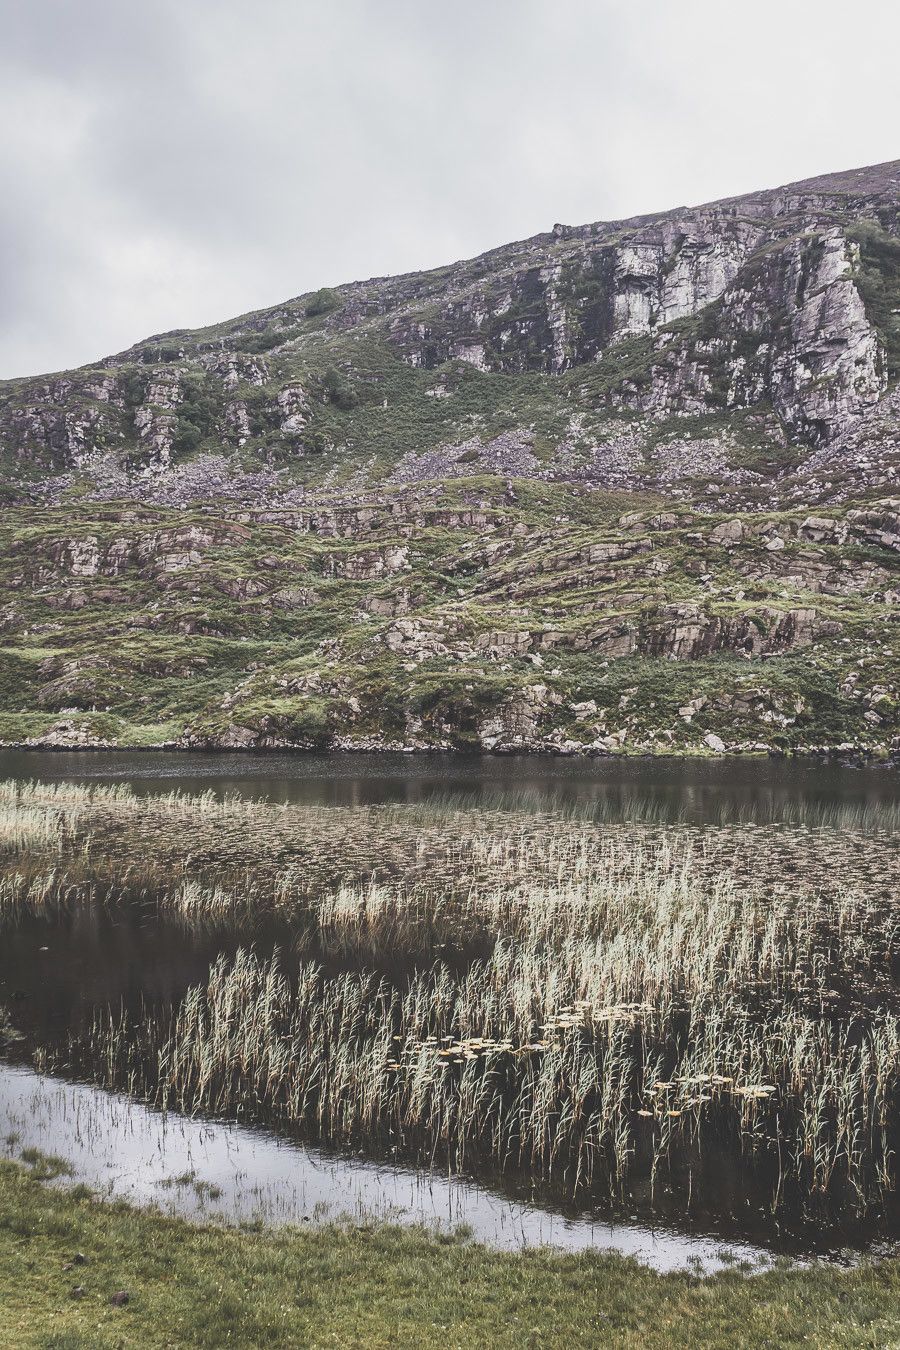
(848, 754)
(136, 1148)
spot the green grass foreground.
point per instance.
(380, 1286)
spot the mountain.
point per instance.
(619, 487)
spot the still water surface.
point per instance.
(698, 791)
(215, 1170)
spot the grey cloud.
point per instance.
(172, 165)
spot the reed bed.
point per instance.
(283, 858)
(489, 1069)
(25, 828)
(619, 1010)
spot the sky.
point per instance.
(172, 164)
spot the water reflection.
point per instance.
(208, 1169)
(698, 791)
(54, 973)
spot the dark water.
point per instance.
(700, 791)
(55, 973)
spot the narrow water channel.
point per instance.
(210, 1170)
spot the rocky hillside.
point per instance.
(620, 487)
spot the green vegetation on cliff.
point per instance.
(620, 487)
(481, 613)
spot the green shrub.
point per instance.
(322, 302)
(197, 414)
(339, 390)
(161, 354)
(254, 343)
(133, 386)
(878, 279)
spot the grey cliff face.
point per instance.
(773, 316)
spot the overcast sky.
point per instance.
(169, 164)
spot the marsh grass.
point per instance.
(24, 827)
(209, 855)
(204, 1190)
(612, 1010)
(45, 1166)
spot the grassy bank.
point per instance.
(193, 1286)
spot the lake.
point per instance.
(696, 791)
(64, 969)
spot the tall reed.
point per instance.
(606, 1007)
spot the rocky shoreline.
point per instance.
(372, 745)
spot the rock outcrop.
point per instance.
(769, 322)
(629, 487)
